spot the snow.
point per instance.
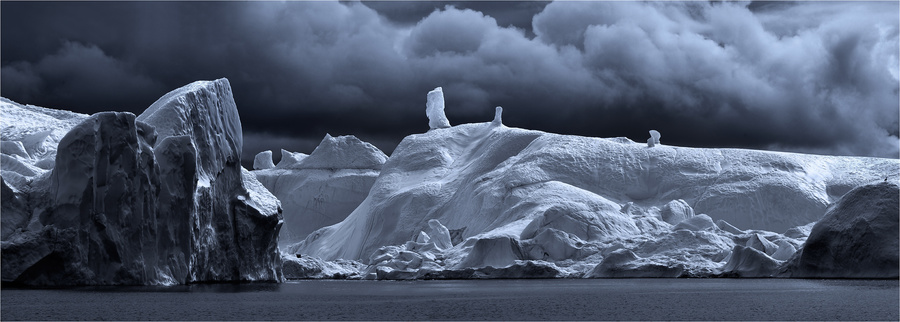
(323, 188)
(511, 197)
(434, 109)
(857, 238)
(154, 199)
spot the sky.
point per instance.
(812, 77)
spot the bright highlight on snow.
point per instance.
(160, 198)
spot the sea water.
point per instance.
(550, 299)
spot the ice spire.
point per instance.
(434, 109)
(498, 120)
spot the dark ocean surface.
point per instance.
(553, 299)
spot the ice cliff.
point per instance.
(518, 203)
(324, 187)
(159, 198)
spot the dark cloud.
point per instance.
(78, 74)
(507, 13)
(811, 77)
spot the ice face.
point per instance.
(434, 109)
(158, 202)
(263, 160)
(857, 238)
(515, 197)
(290, 159)
(323, 188)
(236, 228)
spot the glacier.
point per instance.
(158, 198)
(524, 203)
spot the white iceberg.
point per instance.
(511, 198)
(857, 238)
(155, 199)
(324, 187)
(263, 160)
(28, 138)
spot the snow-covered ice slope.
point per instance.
(155, 199)
(858, 237)
(510, 196)
(323, 188)
(30, 133)
(28, 138)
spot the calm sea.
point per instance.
(599, 299)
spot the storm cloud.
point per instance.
(809, 77)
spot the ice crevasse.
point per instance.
(158, 198)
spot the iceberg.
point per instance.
(29, 136)
(290, 159)
(857, 238)
(263, 160)
(585, 207)
(324, 187)
(158, 198)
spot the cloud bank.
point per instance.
(808, 77)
